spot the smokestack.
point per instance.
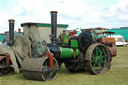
(54, 27)
(19, 31)
(11, 32)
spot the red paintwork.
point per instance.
(51, 56)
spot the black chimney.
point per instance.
(53, 27)
(11, 32)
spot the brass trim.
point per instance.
(54, 12)
(11, 20)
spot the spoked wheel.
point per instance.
(38, 68)
(4, 68)
(98, 56)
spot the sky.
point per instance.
(75, 13)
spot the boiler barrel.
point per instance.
(68, 53)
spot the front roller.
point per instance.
(98, 59)
(38, 68)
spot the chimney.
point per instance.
(19, 31)
(11, 32)
(54, 27)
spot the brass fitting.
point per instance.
(11, 20)
(54, 12)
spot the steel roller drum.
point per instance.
(38, 68)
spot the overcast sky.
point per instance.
(75, 13)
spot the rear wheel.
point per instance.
(98, 56)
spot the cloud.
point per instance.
(76, 13)
(117, 13)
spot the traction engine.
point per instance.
(77, 52)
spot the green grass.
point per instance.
(118, 75)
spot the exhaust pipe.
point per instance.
(11, 32)
(54, 27)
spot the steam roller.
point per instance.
(77, 52)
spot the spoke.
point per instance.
(99, 66)
(94, 67)
(45, 68)
(101, 57)
(96, 60)
(96, 51)
(101, 52)
(93, 59)
(101, 62)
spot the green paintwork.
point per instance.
(69, 53)
(21, 34)
(74, 44)
(77, 52)
(97, 59)
(66, 39)
(49, 25)
(66, 52)
(2, 37)
(122, 31)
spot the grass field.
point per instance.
(118, 75)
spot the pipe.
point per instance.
(51, 58)
(11, 32)
(54, 27)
